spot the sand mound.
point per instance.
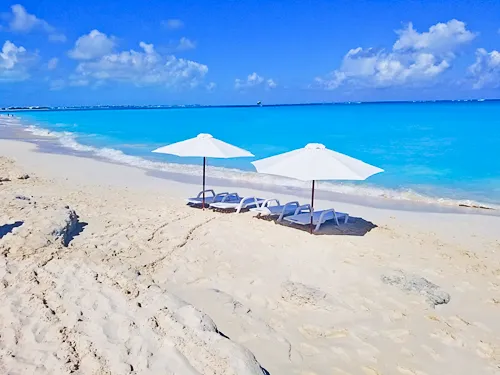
(62, 313)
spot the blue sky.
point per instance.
(231, 52)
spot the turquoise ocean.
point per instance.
(447, 152)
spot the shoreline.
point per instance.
(221, 177)
(88, 172)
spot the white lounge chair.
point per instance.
(302, 216)
(233, 202)
(272, 207)
(210, 197)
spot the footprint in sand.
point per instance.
(302, 295)
(488, 351)
(368, 354)
(407, 352)
(341, 353)
(39, 333)
(370, 371)
(398, 336)
(447, 338)
(338, 371)
(494, 301)
(407, 371)
(458, 322)
(435, 355)
(398, 305)
(372, 303)
(313, 332)
(392, 316)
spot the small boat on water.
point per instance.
(259, 103)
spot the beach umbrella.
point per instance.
(315, 162)
(205, 146)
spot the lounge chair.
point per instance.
(319, 217)
(233, 202)
(210, 197)
(272, 208)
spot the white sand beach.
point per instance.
(139, 283)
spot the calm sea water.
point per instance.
(433, 150)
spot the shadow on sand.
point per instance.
(7, 228)
(356, 226)
(264, 371)
(80, 226)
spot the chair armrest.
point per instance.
(267, 202)
(245, 202)
(200, 194)
(303, 208)
(321, 218)
(287, 205)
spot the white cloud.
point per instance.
(9, 55)
(271, 83)
(441, 38)
(59, 84)
(380, 69)
(141, 68)
(416, 58)
(254, 80)
(22, 22)
(485, 71)
(52, 64)
(185, 44)
(14, 62)
(173, 24)
(78, 82)
(92, 45)
(211, 86)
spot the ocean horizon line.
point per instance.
(257, 105)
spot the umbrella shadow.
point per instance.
(356, 226)
(7, 228)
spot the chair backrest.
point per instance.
(231, 197)
(219, 197)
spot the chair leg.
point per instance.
(336, 219)
(317, 227)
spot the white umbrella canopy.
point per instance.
(316, 162)
(205, 146)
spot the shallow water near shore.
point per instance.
(437, 153)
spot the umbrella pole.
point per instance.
(312, 208)
(204, 164)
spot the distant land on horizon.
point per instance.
(166, 106)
